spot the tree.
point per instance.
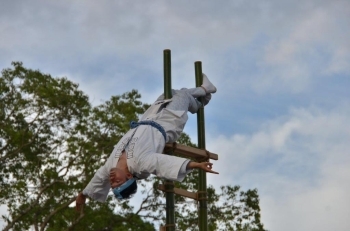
(52, 140)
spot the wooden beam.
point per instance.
(181, 192)
(191, 152)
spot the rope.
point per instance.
(164, 227)
(202, 196)
(169, 183)
(205, 159)
(134, 124)
(208, 155)
(174, 146)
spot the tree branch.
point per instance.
(24, 212)
(47, 219)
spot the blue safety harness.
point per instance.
(134, 124)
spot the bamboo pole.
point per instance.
(202, 186)
(169, 185)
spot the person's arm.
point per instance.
(170, 167)
(164, 166)
(97, 189)
(206, 166)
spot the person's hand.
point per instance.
(206, 166)
(80, 202)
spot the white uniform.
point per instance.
(144, 146)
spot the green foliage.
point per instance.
(52, 140)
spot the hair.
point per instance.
(130, 191)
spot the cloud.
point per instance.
(314, 46)
(250, 46)
(321, 208)
(299, 163)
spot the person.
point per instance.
(139, 152)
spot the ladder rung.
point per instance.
(181, 192)
(191, 152)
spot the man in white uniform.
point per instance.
(139, 153)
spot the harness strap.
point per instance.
(134, 124)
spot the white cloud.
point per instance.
(299, 163)
(301, 41)
(316, 44)
(313, 208)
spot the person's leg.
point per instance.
(194, 92)
(205, 90)
(207, 86)
(183, 100)
(206, 99)
(186, 99)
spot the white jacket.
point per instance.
(144, 146)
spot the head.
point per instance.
(122, 183)
(126, 190)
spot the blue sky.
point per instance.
(280, 120)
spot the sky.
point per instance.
(280, 120)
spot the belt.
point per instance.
(134, 124)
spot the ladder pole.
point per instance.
(202, 186)
(169, 185)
